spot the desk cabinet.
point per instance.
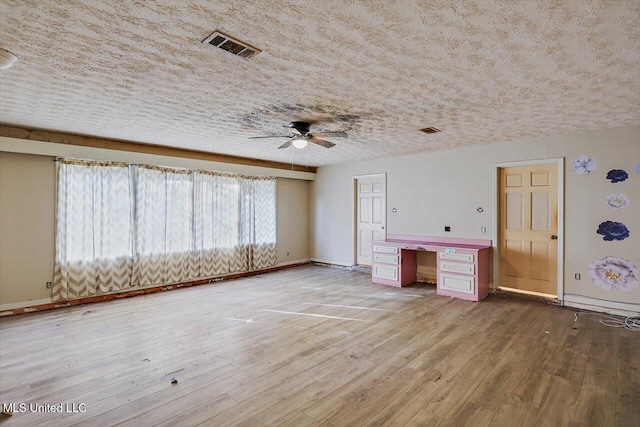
(462, 264)
(392, 265)
(464, 273)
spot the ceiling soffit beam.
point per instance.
(137, 147)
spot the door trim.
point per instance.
(559, 161)
(354, 209)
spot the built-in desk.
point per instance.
(462, 264)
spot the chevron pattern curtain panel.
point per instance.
(218, 224)
(164, 226)
(122, 225)
(258, 210)
(93, 229)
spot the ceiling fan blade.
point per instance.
(322, 142)
(288, 143)
(337, 134)
(271, 136)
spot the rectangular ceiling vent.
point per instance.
(430, 129)
(235, 46)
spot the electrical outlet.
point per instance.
(287, 253)
(483, 229)
(447, 228)
(577, 276)
(48, 285)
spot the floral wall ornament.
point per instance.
(584, 165)
(612, 230)
(614, 273)
(617, 201)
(617, 175)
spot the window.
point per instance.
(96, 213)
(164, 211)
(218, 224)
(94, 229)
(122, 225)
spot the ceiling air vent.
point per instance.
(430, 129)
(231, 45)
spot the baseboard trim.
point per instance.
(128, 294)
(602, 306)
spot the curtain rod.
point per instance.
(58, 158)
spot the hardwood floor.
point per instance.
(319, 346)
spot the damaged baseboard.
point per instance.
(294, 262)
(328, 263)
(342, 266)
(524, 296)
(23, 304)
(142, 291)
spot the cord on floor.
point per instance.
(631, 323)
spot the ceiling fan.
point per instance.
(301, 136)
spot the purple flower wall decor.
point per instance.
(617, 175)
(612, 230)
(617, 201)
(584, 165)
(614, 273)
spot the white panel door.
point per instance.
(371, 215)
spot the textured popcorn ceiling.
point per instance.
(483, 72)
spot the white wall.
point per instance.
(432, 190)
(27, 236)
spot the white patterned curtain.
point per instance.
(93, 229)
(120, 226)
(164, 226)
(218, 224)
(258, 221)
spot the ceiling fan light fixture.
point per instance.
(300, 143)
(302, 137)
(7, 59)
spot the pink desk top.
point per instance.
(438, 242)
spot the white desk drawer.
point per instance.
(457, 283)
(456, 257)
(389, 259)
(385, 272)
(456, 267)
(387, 249)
